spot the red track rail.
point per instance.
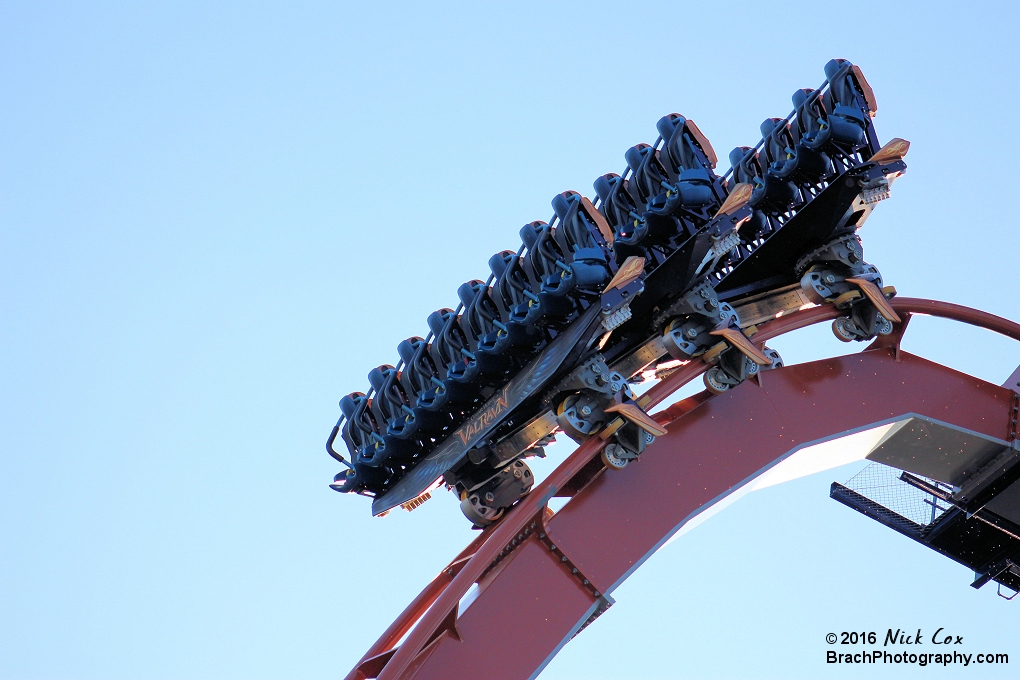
(541, 576)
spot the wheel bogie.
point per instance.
(486, 502)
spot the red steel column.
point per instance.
(541, 577)
(535, 602)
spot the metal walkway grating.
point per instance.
(882, 485)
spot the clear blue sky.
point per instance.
(215, 218)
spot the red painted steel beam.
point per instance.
(529, 591)
(379, 653)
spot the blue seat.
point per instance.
(543, 256)
(416, 379)
(450, 351)
(650, 180)
(695, 188)
(361, 431)
(771, 192)
(390, 406)
(580, 240)
(486, 334)
(618, 206)
(811, 133)
(778, 147)
(811, 129)
(576, 228)
(509, 292)
(847, 104)
(419, 369)
(747, 170)
(691, 159)
(546, 265)
(388, 395)
(543, 310)
(788, 162)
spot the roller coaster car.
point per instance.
(671, 263)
